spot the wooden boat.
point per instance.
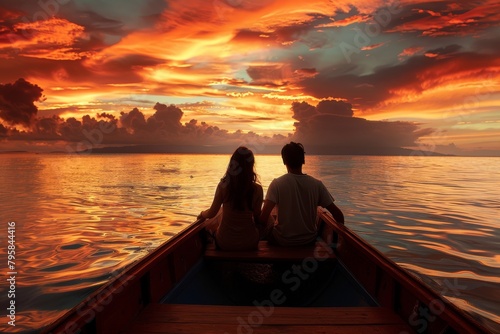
(340, 285)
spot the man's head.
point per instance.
(293, 155)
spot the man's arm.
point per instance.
(336, 213)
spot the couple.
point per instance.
(244, 221)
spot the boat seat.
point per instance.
(266, 251)
(176, 318)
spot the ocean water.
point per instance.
(80, 219)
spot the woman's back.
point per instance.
(238, 229)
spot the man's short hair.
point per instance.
(293, 154)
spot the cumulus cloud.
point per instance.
(166, 117)
(164, 127)
(331, 124)
(17, 102)
(133, 121)
(334, 107)
(3, 131)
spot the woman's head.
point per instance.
(239, 178)
(242, 162)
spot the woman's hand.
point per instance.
(200, 216)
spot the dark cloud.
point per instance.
(134, 128)
(246, 36)
(47, 126)
(330, 124)
(270, 74)
(117, 66)
(133, 121)
(71, 130)
(303, 110)
(418, 73)
(17, 102)
(440, 18)
(333, 107)
(3, 131)
(488, 45)
(63, 70)
(166, 119)
(444, 52)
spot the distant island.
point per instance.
(268, 149)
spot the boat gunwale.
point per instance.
(85, 312)
(460, 320)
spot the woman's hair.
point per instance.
(293, 154)
(239, 179)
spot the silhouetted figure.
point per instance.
(297, 196)
(241, 197)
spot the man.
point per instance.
(297, 196)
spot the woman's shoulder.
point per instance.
(222, 186)
(258, 190)
(257, 186)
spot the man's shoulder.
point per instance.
(289, 176)
(279, 182)
(311, 179)
(281, 178)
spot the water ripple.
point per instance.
(82, 219)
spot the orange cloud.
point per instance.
(347, 21)
(408, 52)
(50, 39)
(371, 47)
(457, 20)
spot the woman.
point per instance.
(241, 198)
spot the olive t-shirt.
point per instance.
(297, 198)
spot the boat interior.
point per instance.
(339, 285)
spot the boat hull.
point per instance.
(342, 282)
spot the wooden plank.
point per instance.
(266, 312)
(161, 281)
(266, 251)
(123, 305)
(168, 318)
(265, 329)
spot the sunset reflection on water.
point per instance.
(82, 219)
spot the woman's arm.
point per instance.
(257, 203)
(216, 203)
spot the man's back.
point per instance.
(297, 197)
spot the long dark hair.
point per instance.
(239, 179)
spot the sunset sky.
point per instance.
(77, 74)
